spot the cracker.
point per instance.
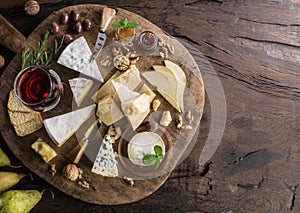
(29, 126)
(17, 118)
(13, 103)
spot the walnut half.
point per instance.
(121, 62)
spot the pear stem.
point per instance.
(51, 192)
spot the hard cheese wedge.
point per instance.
(80, 87)
(106, 88)
(60, 128)
(76, 56)
(44, 150)
(105, 163)
(108, 111)
(134, 105)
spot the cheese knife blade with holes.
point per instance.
(76, 153)
(107, 15)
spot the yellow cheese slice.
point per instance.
(44, 150)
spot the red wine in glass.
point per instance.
(38, 88)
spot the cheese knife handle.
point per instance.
(107, 15)
(76, 153)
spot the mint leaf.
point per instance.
(158, 150)
(117, 24)
(149, 159)
(156, 164)
(125, 22)
(132, 25)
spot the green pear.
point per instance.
(181, 79)
(9, 179)
(19, 201)
(4, 160)
(163, 86)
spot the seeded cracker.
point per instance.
(29, 126)
(14, 105)
(17, 118)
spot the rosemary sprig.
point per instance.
(48, 56)
(40, 56)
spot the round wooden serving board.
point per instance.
(103, 190)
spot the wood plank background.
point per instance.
(254, 48)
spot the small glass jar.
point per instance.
(125, 33)
(147, 41)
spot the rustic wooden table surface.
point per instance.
(253, 47)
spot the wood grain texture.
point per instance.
(253, 46)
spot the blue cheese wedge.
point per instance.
(80, 87)
(44, 150)
(76, 56)
(60, 128)
(105, 163)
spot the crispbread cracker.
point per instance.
(17, 118)
(29, 126)
(14, 105)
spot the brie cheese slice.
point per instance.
(105, 163)
(76, 56)
(80, 87)
(60, 128)
(143, 143)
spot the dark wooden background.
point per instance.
(254, 48)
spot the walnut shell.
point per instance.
(121, 62)
(71, 172)
(32, 7)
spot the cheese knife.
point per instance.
(76, 153)
(107, 15)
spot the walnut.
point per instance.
(155, 104)
(114, 132)
(71, 172)
(2, 61)
(106, 61)
(32, 7)
(116, 51)
(161, 42)
(171, 49)
(189, 117)
(84, 184)
(121, 62)
(187, 127)
(179, 121)
(133, 58)
(166, 118)
(128, 180)
(52, 169)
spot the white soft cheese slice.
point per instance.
(60, 128)
(105, 163)
(76, 56)
(80, 87)
(141, 144)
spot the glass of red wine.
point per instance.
(38, 88)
